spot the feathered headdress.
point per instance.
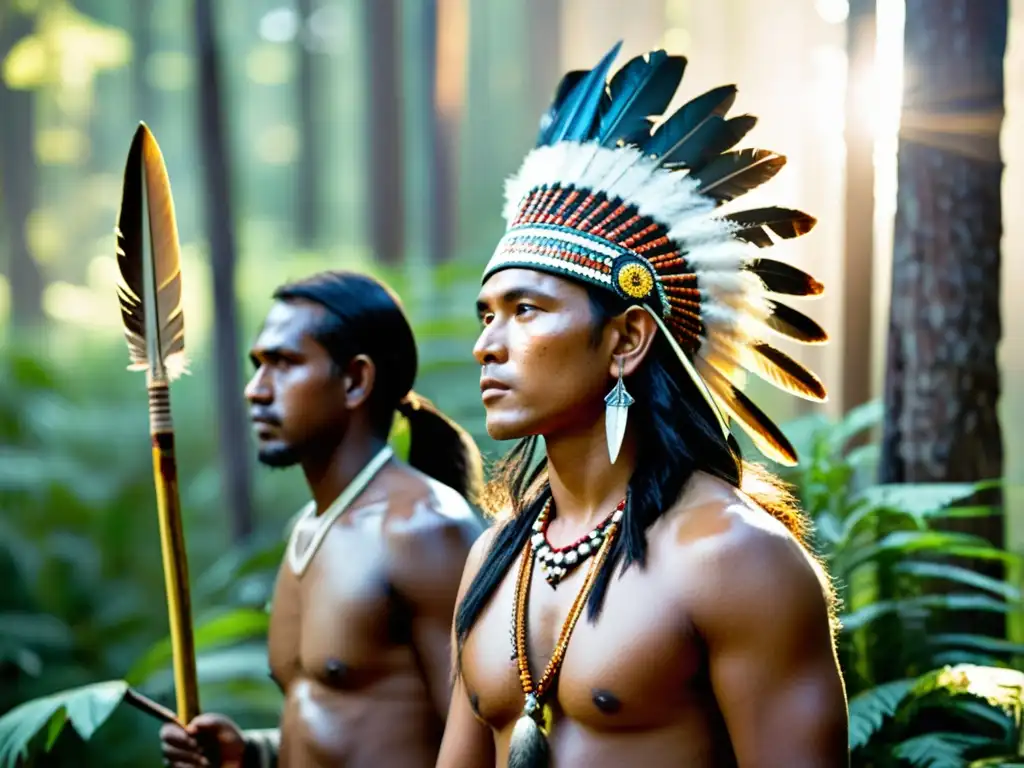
(608, 197)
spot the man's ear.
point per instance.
(636, 330)
(360, 374)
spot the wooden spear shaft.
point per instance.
(172, 541)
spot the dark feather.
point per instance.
(767, 437)
(576, 119)
(569, 81)
(640, 134)
(735, 173)
(528, 747)
(714, 137)
(776, 367)
(160, 291)
(786, 321)
(641, 89)
(779, 277)
(677, 131)
(784, 222)
(129, 255)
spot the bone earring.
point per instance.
(617, 404)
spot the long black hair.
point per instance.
(365, 317)
(677, 435)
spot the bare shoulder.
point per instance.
(428, 530)
(419, 506)
(477, 553)
(733, 558)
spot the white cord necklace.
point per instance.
(299, 562)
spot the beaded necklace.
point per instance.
(528, 746)
(556, 562)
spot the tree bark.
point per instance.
(19, 178)
(942, 380)
(859, 249)
(444, 51)
(384, 177)
(214, 150)
(308, 176)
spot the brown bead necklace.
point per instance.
(528, 746)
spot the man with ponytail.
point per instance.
(363, 604)
(646, 597)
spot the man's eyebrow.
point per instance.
(273, 351)
(514, 295)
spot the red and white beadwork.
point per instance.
(557, 562)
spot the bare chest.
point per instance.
(335, 621)
(631, 668)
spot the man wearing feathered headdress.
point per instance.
(648, 597)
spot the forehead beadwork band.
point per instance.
(609, 197)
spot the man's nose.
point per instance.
(490, 346)
(257, 390)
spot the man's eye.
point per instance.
(522, 308)
(486, 319)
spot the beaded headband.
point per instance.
(611, 199)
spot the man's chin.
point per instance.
(277, 456)
(501, 426)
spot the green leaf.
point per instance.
(983, 643)
(979, 510)
(225, 629)
(960, 575)
(989, 714)
(960, 656)
(232, 665)
(938, 750)
(919, 499)
(942, 543)
(869, 709)
(865, 456)
(856, 421)
(919, 606)
(1001, 761)
(37, 630)
(87, 708)
(828, 527)
(877, 520)
(239, 562)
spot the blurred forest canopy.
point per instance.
(298, 113)
(370, 135)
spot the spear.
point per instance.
(154, 327)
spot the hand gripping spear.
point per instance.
(154, 327)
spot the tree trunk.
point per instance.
(142, 42)
(220, 230)
(860, 206)
(308, 177)
(942, 379)
(383, 173)
(19, 178)
(444, 46)
(544, 28)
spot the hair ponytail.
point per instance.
(364, 316)
(442, 449)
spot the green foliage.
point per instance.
(80, 561)
(86, 708)
(83, 598)
(917, 697)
